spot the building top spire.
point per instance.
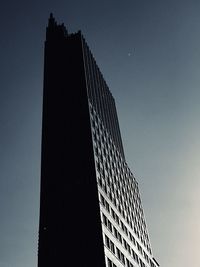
(54, 28)
(52, 21)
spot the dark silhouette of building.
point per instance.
(90, 207)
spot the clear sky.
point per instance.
(149, 54)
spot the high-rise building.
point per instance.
(90, 207)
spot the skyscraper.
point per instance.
(90, 206)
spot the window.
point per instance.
(128, 263)
(107, 241)
(128, 248)
(142, 263)
(112, 247)
(105, 220)
(109, 226)
(125, 230)
(135, 256)
(102, 200)
(119, 237)
(115, 232)
(110, 263)
(107, 206)
(122, 258)
(125, 243)
(122, 225)
(109, 244)
(114, 202)
(105, 188)
(132, 238)
(118, 254)
(116, 218)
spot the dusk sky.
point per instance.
(149, 54)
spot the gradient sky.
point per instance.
(149, 54)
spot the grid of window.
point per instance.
(101, 97)
(117, 181)
(124, 243)
(119, 185)
(120, 256)
(110, 263)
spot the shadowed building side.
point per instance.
(70, 221)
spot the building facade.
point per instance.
(90, 207)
